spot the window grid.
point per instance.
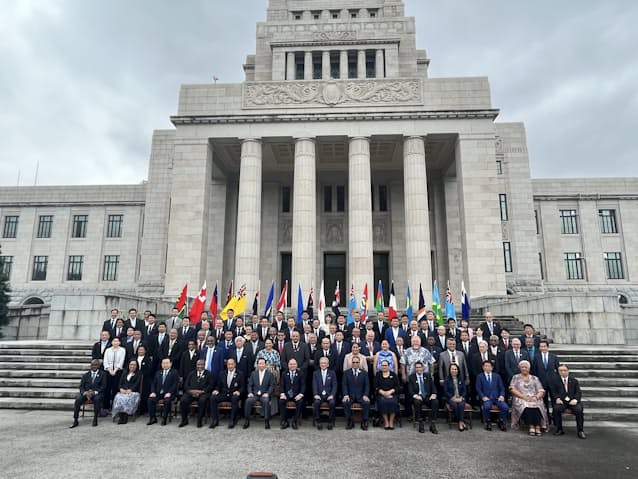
(10, 229)
(79, 226)
(39, 268)
(607, 221)
(111, 263)
(44, 226)
(613, 265)
(502, 199)
(568, 222)
(114, 226)
(507, 256)
(5, 266)
(574, 264)
(74, 272)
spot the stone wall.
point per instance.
(27, 323)
(630, 315)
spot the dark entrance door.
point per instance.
(334, 269)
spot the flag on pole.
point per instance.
(237, 303)
(408, 304)
(421, 313)
(311, 303)
(465, 303)
(229, 296)
(299, 305)
(321, 309)
(256, 303)
(198, 307)
(364, 304)
(392, 304)
(271, 298)
(436, 303)
(337, 302)
(214, 303)
(449, 303)
(281, 304)
(180, 305)
(352, 305)
(378, 305)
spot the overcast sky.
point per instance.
(84, 83)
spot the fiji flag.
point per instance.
(271, 298)
(465, 303)
(299, 305)
(352, 305)
(449, 303)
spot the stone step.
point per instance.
(596, 414)
(601, 391)
(83, 366)
(45, 352)
(22, 392)
(36, 403)
(608, 382)
(596, 350)
(37, 373)
(610, 402)
(574, 358)
(600, 366)
(611, 373)
(84, 360)
(45, 382)
(67, 345)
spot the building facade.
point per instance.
(337, 159)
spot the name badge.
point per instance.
(259, 393)
(567, 399)
(323, 393)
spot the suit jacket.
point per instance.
(266, 387)
(356, 387)
(155, 346)
(511, 364)
(537, 340)
(330, 387)
(186, 364)
(302, 355)
(139, 324)
(339, 357)
(279, 326)
(146, 335)
(545, 374)
(169, 385)
(476, 364)
(238, 383)
(491, 391)
(216, 362)
(190, 334)
(292, 388)
(422, 336)
(130, 351)
(205, 383)
(261, 334)
(238, 331)
(428, 385)
(461, 347)
(230, 324)
(289, 332)
(558, 390)
(380, 330)
(332, 358)
(390, 336)
(362, 330)
(173, 322)
(96, 352)
(133, 384)
(218, 334)
(443, 344)
(175, 354)
(260, 346)
(376, 347)
(448, 388)
(445, 359)
(486, 330)
(106, 326)
(87, 383)
(147, 369)
(246, 362)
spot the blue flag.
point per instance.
(271, 298)
(408, 304)
(352, 305)
(465, 303)
(299, 305)
(449, 303)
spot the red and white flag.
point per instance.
(321, 310)
(281, 304)
(199, 306)
(392, 304)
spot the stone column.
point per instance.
(417, 216)
(307, 66)
(304, 215)
(290, 66)
(247, 252)
(361, 64)
(360, 266)
(343, 64)
(379, 67)
(325, 65)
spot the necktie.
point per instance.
(489, 378)
(163, 377)
(338, 348)
(295, 348)
(421, 392)
(93, 378)
(238, 355)
(565, 384)
(370, 349)
(453, 358)
(516, 355)
(356, 373)
(292, 376)
(323, 376)
(545, 360)
(229, 379)
(209, 359)
(484, 357)
(148, 331)
(184, 332)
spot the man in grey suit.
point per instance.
(452, 356)
(260, 387)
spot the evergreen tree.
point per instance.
(4, 300)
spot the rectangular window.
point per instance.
(536, 221)
(111, 263)
(316, 65)
(502, 200)
(335, 69)
(299, 68)
(316, 14)
(75, 268)
(286, 273)
(297, 15)
(372, 13)
(341, 198)
(613, 265)
(334, 13)
(607, 221)
(568, 222)
(499, 167)
(285, 199)
(381, 262)
(327, 198)
(574, 264)
(354, 13)
(540, 265)
(39, 268)
(5, 266)
(114, 226)
(10, 229)
(371, 61)
(44, 226)
(383, 198)
(507, 256)
(352, 63)
(79, 226)
(334, 269)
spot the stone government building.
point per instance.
(338, 158)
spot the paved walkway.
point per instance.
(39, 444)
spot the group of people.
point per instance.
(140, 365)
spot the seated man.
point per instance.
(92, 388)
(324, 389)
(491, 392)
(164, 387)
(566, 394)
(422, 391)
(229, 388)
(260, 387)
(198, 386)
(356, 389)
(292, 387)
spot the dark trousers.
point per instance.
(578, 414)
(502, 406)
(316, 407)
(185, 404)
(152, 406)
(81, 399)
(283, 411)
(219, 398)
(458, 409)
(433, 404)
(112, 388)
(365, 408)
(265, 405)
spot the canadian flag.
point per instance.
(198, 307)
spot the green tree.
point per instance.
(4, 299)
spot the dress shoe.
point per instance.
(103, 413)
(152, 420)
(329, 426)
(94, 421)
(433, 429)
(559, 432)
(246, 424)
(502, 426)
(124, 418)
(267, 424)
(294, 425)
(232, 424)
(582, 435)
(200, 423)
(164, 421)
(181, 424)
(213, 424)
(319, 426)
(75, 424)
(284, 425)
(350, 425)
(364, 425)
(488, 426)
(421, 427)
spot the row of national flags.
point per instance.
(237, 302)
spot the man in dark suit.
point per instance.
(422, 390)
(491, 392)
(255, 344)
(545, 367)
(263, 329)
(230, 386)
(393, 332)
(97, 352)
(566, 394)
(150, 328)
(219, 331)
(188, 361)
(441, 337)
(186, 332)
(292, 388)
(109, 324)
(489, 326)
(340, 348)
(452, 331)
(355, 324)
(356, 389)
(512, 358)
(243, 356)
(298, 350)
(213, 357)
(131, 348)
(164, 387)
(380, 326)
(279, 322)
(325, 351)
(260, 387)
(324, 389)
(476, 368)
(133, 322)
(530, 333)
(449, 356)
(172, 349)
(197, 387)
(92, 387)
(430, 319)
